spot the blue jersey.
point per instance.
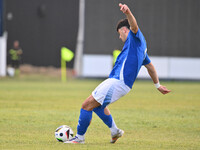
(131, 58)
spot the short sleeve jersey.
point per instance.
(131, 58)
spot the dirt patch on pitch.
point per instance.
(50, 70)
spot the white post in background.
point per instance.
(3, 56)
(80, 39)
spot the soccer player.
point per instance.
(121, 78)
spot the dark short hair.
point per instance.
(123, 23)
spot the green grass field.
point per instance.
(31, 108)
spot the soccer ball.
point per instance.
(63, 133)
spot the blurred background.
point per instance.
(88, 28)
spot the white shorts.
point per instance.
(110, 91)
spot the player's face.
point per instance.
(123, 34)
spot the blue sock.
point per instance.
(107, 119)
(84, 121)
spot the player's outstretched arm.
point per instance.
(153, 74)
(131, 19)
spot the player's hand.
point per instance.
(163, 89)
(124, 8)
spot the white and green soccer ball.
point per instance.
(64, 133)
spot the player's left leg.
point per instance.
(84, 119)
(86, 115)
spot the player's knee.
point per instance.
(89, 104)
(86, 106)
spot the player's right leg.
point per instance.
(107, 118)
(106, 93)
